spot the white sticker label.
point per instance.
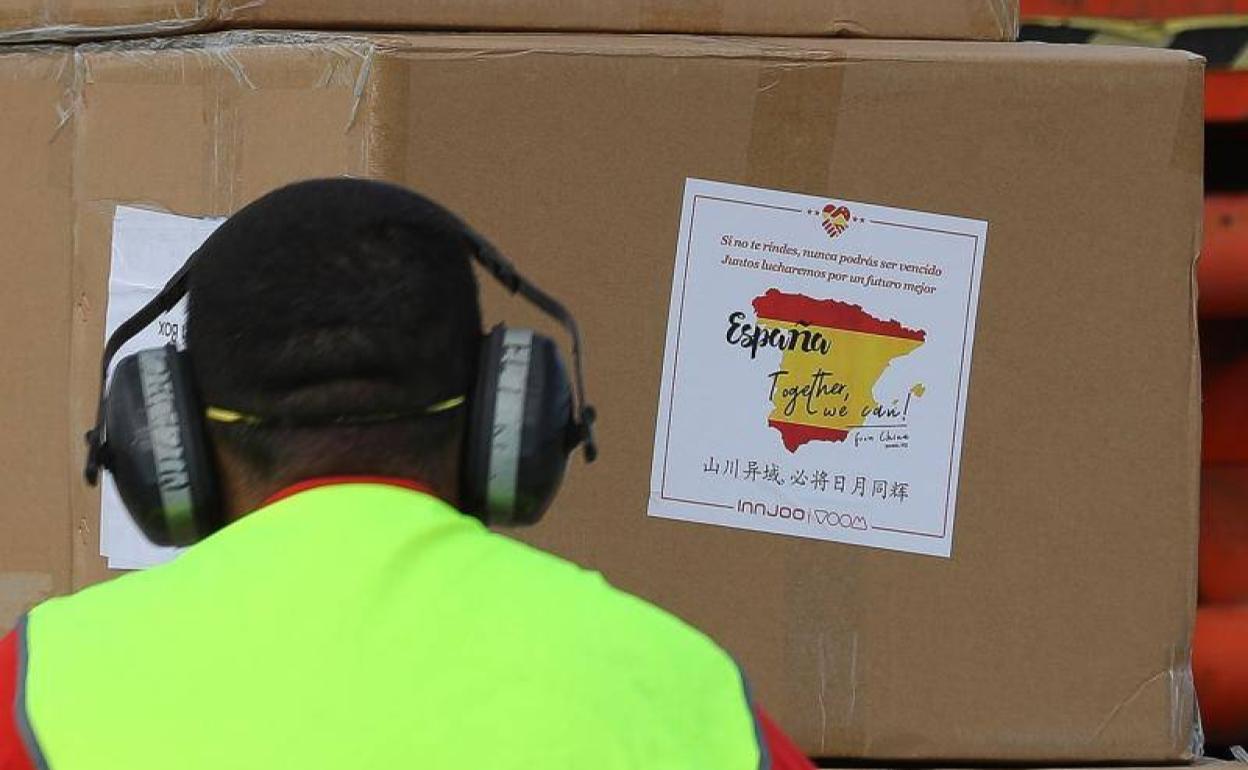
(148, 248)
(816, 369)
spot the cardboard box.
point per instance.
(1059, 629)
(28, 20)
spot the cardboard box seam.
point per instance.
(70, 33)
(471, 45)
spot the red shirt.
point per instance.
(14, 754)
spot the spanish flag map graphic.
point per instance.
(832, 357)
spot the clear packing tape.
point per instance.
(349, 59)
(1007, 14)
(58, 21)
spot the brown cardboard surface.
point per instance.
(1059, 630)
(35, 166)
(941, 19)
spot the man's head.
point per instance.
(335, 298)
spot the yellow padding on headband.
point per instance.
(229, 416)
(219, 414)
(447, 405)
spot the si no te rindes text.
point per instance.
(830, 266)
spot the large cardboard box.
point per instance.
(28, 20)
(1057, 631)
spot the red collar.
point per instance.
(326, 481)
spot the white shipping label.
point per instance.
(816, 369)
(148, 248)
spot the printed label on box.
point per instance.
(148, 248)
(817, 363)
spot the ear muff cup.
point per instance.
(521, 429)
(549, 433)
(156, 449)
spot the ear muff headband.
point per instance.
(482, 251)
(163, 302)
(497, 265)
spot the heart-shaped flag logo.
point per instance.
(835, 219)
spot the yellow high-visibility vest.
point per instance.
(365, 625)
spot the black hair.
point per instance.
(336, 298)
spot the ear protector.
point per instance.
(523, 419)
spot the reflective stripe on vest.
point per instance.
(368, 626)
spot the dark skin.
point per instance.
(244, 490)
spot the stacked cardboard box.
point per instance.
(38, 20)
(1058, 628)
